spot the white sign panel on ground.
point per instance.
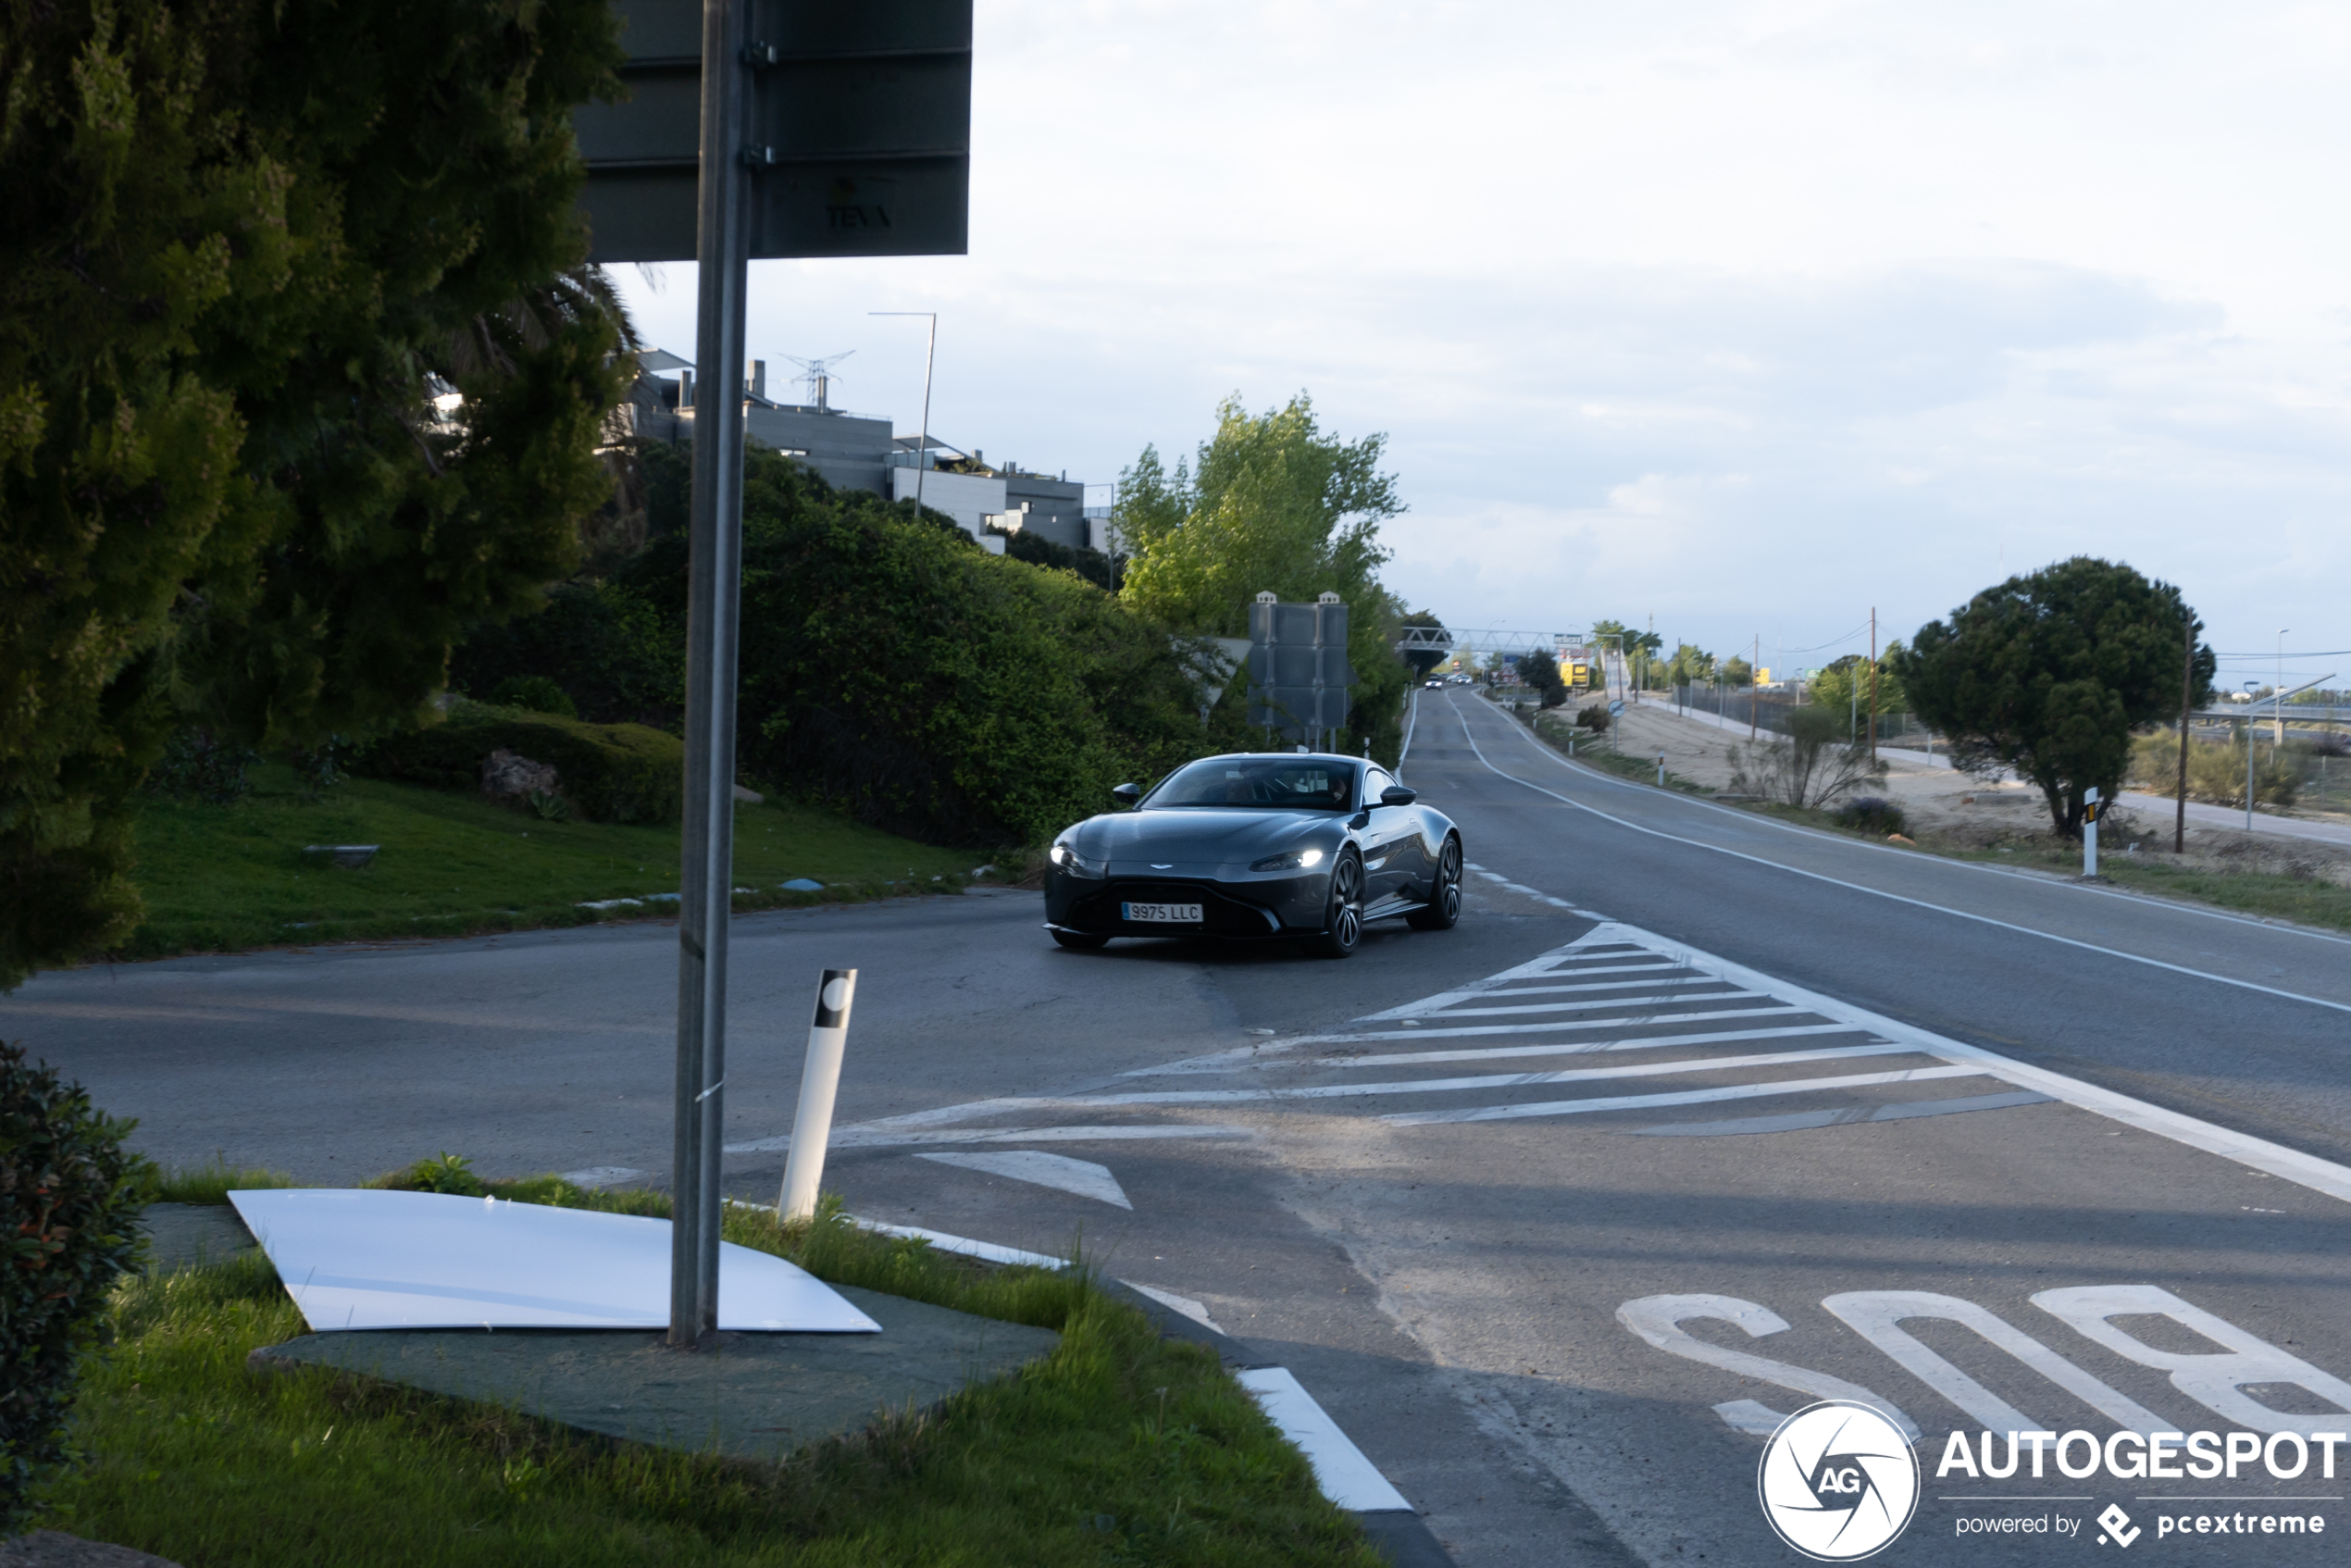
(362, 1259)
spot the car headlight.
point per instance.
(1295, 860)
(1069, 860)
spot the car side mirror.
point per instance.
(1397, 795)
(1127, 795)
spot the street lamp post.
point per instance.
(930, 354)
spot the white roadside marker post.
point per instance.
(1660, 770)
(2090, 832)
(811, 1125)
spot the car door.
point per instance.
(1391, 839)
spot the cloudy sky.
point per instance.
(1746, 315)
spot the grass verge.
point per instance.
(1117, 1448)
(1592, 748)
(2306, 899)
(223, 879)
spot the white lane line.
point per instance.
(1464, 1086)
(1349, 1479)
(1083, 1178)
(1684, 1001)
(1688, 1097)
(1896, 898)
(1544, 966)
(963, 1245)
(1801, 1121)
(1470, 1031)
(1428, 1005)
(1569, 1048)
(859, 1138)
(1525, 1048)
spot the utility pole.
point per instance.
(1874, 683)
(1750, 686)
(2187, 691)
(2277, 734)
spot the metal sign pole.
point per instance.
(714, 587)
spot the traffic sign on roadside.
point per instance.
(756, 129)
(1616, 707)
(857, 130)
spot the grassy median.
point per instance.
(1116, 1447)
(226, 877)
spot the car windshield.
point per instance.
(1283, 783)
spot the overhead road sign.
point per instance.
(856, 129)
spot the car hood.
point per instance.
(1206, 835)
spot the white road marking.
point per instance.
(1606, 1002)
(963, 1245)
(860, 1138)
(1457, 1085)
(1555, 1027)
(1184, 1305)
(1800, 1121)
(1896, 898)
(1345, 1476)
(1688, 1096)
(1572, 1048)
(1083, 1178)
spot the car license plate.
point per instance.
(1160, 914)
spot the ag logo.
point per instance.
(1838, 1481)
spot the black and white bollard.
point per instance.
(2090, 831)
(811, 1125)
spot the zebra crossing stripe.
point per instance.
(1577, 1048)
(1459, 1086)
(1688, 1097)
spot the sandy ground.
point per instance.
(1962, 812)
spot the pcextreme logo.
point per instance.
(1838, 1481)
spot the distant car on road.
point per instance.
(1253, 846)
(1433, 685)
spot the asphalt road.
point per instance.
(1694, 1119)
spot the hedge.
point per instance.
(608, 772)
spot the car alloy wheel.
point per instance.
(1444, 906)
(1343, 922)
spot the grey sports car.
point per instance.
(1257, 845)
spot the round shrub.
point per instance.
(534, 693)
(70, 1194)
(1872, 815)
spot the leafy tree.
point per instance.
(1423, 660)
(1690, 665)
(2048, 674)
(1738, 672)
(1038, 551)
(1271, 504)
(1541, 671)
(250, 246)
(1845, 686)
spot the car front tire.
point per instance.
(1343, 915)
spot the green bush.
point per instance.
(68, 1195)
(609, 772)
(2216, 771)
(1872, 815)
(534, 693)
(603, 644)
(893, 669)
